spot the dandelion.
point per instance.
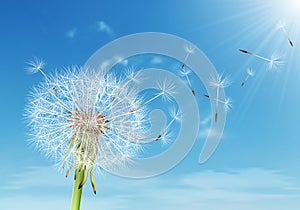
(273, 62)
(250, 73)
(189, 50)
(281, 26)
(218, 82)
(82, 119)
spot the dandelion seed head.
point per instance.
(250, 72)
(167, 137)
(219, 81)
(133, 75)
(175, 114)
(275, 62)
(228, 104)
(189, 49)
(166, 87)
(184, 72)
(73, 119)
(35, 65)
(166, 90)
(281, 25)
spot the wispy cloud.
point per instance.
(204, 127)
(121, 60)
(205, 121)
(156, 60)
(246, 189)
(71, 33)
(35, 177)
(104, 27)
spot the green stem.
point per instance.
(76, 194)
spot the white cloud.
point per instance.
(71, 33)
(103, 27)
(203, 132)
(156, 60)
(205, 121)
(121, 60)
(242, 189)
(36, 177)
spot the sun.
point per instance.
(288, 9)
(285, 16)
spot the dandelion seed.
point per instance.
(273, 62)
(250, 73)
(281, 26)
(176, 116)
(167, 137)
(255, 55)
(227, 103)
(35, 65)
(218, 82)
(189, 50)
(186, 73)
(132, 75)
(166, 90)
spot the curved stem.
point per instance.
(76, 194)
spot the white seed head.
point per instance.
(281, 24)
(184, 72)
(75, 119)
(219, 81)
(166, 87)
(133, 75)
(167, 137)
(35, 65)
(228, 104)
(189, 49)
(275, 62)
(250, 72)
(175, 114)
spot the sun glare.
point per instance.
(287, 15)
(289, 9)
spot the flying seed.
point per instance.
(282, 27)
(250, 73)
(275, 60)
(189, 50)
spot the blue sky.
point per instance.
(256, 165)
